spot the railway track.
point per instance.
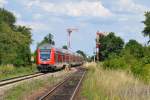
(20, 78)
(67, 89)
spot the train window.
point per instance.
(60, 57)
(45, 54)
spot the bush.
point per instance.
(116, 63)
(134, 48)
(146, 60)
(145, 73)
(136, 69)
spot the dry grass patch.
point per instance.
(103, 84)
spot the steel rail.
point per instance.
(14, 80)
(77, 88)
(54, 88)
(62, 83)
(18, 77)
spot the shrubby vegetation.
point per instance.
(134, 58)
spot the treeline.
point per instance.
(132, 56)
(15, 41)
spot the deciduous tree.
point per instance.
(110, 44)
(14, 40)
(48, 39)
(146, 30)
(81, 53)
(65, 47)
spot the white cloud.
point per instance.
(123, 19)
(30, 3)
(131, 6)
(35, 26)
(37, 16)
(81, 8)
(2, 3)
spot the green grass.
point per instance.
(27, 88)
(106, 84)
(10, 71)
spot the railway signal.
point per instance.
(99, 35)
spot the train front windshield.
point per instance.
(45, 54)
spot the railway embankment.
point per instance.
(104, 84)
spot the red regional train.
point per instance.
(50, 58)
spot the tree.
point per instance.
(7, 17)
(146, 58)
(110, 44)
(24, 52)
(134, 48)
(65, 47)
(10, 43)
(14, 40)
(48, 39)
(146, 30)
(81, 53)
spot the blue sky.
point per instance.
(54, 16)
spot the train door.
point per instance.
(56, 57)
